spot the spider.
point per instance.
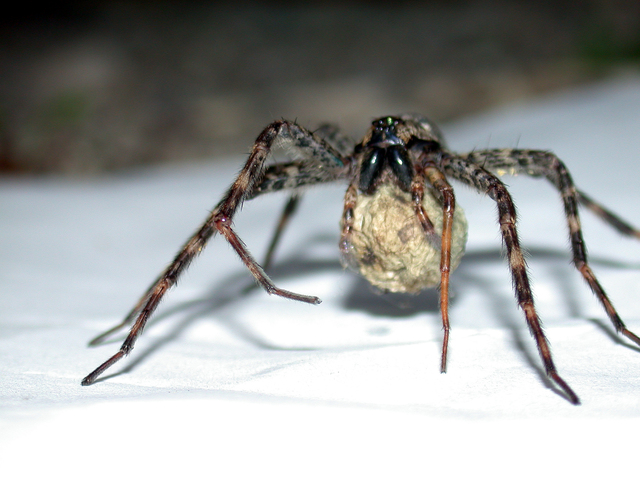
(400, 227)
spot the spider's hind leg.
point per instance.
(607, 216)
(289, 209)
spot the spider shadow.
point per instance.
(613, 336)
(362, 297)
(220, 296)
(365, 298)
(558, 264)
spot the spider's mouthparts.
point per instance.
(385, 139)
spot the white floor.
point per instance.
(229, 382)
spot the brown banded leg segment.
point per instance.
(484, 181)
(149, 302)
(608, 216)
(350, 200)
(289, 209)
(223, 224)
(542, 163)
(524, 295)
(570, 198)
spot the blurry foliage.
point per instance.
(602, 45)
(91, 87)
(64, 110)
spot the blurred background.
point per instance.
(94, 87)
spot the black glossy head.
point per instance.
(384, 133)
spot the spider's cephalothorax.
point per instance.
(400, 227)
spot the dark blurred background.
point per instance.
(90, 87)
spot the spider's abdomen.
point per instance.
(388, 245)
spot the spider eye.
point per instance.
(384, 134)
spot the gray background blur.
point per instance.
(90, 87)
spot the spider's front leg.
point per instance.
(320, 163)
(476, 176)
(539, 163)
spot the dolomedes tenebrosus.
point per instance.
(400, 227)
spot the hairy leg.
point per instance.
(608, 216)
(321, 164)
(542, 163)
(476, 176)
(289, 209)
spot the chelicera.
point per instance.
(400, 227)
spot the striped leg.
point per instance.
(289, 209)
(343, 145)
(350, 198)
(607, 216)
(320, 163)
(542, 163)
(479, 178)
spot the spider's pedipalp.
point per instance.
(440, 184)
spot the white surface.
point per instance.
(231, 384)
